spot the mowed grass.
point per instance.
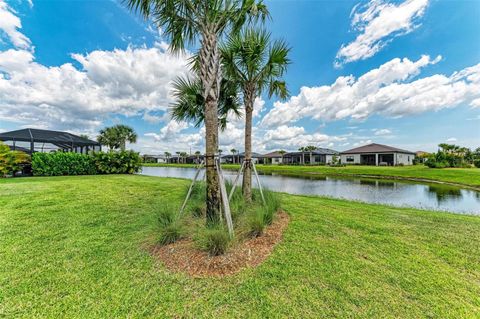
(74, 247)
(462, 176)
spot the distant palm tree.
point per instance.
(302, 149)
(257, 64)
(167, 156)
(178, 157)
(183, 156)
(117, 136)
(282, 152)
(233, 151)
(184, 22)
(198, 153)
(310, 149)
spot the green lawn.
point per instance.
(72, 247)
(462, 176)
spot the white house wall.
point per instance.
(356, 158)
(399, 158)
(403, 158)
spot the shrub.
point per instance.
(11, 161)
(60, 163)
(260, 215)
(476, 163)
(171, 228)
(272, 205)
(434, 164)
(123, 162)
(215, 240)
(256, 222)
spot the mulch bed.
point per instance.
(183, 256)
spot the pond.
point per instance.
(381, 191)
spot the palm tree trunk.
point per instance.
(210, 76)
(247, 173)
(213, 187)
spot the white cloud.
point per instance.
(284, 132)
(476, 103)
(380, 132)
(389, 90)
(362, 142)
(127, 82)
(155, 119)
(378, 22)
(10, 25)
(293, 137)
(451, 140)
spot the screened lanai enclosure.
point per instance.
(31, 140)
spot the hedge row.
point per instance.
(59, 163)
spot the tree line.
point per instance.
(450, 155)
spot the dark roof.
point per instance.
(273, 154)
(318, 151)
(61, 139)
(242, 154)
(376, 148)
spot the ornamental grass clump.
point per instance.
(271, 206)
(214, 239)
(256, 223)
(250, 219)
(171, 228)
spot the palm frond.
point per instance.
(189, 103)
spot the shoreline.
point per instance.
(291, 172)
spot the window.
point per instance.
(350, 159)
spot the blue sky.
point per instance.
(404, 73)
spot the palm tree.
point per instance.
(233, 151)
(184, 22)
(167, 155)
(183, 156)
(197, 154)
(178, 157)
(117, 136)
(256, 64)
(302, 149)
(282, 152)
(189, 105)
(310, 149)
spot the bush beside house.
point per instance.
(11, 161)
(453, 156)
(60, 164)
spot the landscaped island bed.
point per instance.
(460, 176)
(75, 247)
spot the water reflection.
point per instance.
(445, 193)
(397, 193)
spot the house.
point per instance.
(154, 159)
(318, 156)
(194, 159)
(274, 158)
(377, 154)
(31, 140)
(238, 158)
